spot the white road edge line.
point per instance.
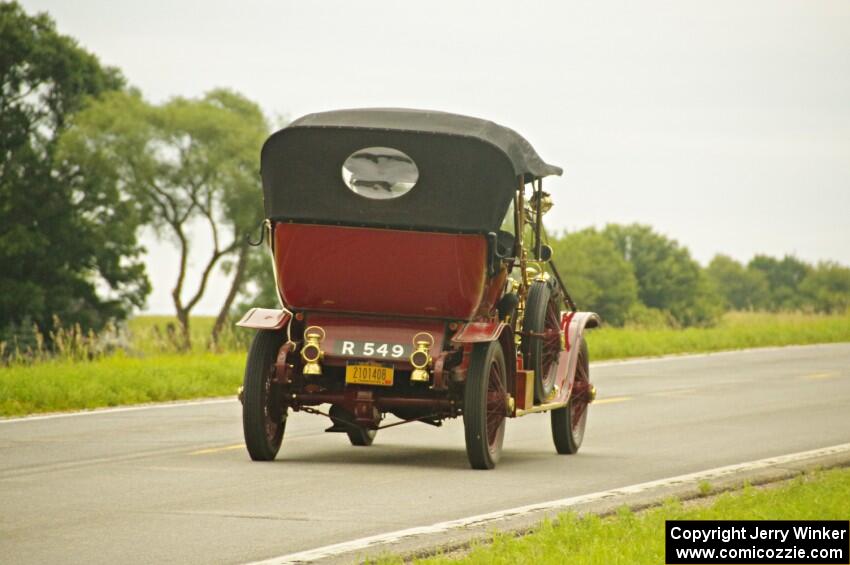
(180, 404)
(560, 504)
(721, 353)
(105, 411)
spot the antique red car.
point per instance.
(408, 252)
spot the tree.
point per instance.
(67, 240)
(667, 277)
(826, 288)
(741, 288)
(184, 161)
(597, 276)
(259, 289)
(783, 279)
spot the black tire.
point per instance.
(361, 437)
(484, 413)
(263, 416)
(357, 435)
(541, 314)
(569, 422)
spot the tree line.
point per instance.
(631, 274)
(86, 162)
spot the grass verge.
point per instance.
(149, 335)
(66, 385)
(638, 538)
(736, 330)
(152, 372)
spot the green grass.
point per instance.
(155, 334)
(631, 538)
(147, 367)
(134, 364)
(66, 385)
(737, 330)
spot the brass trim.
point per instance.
(420, 370)
(312, 339)
(428, 335)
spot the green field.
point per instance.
(144, 365)
(736, 330)
(61, 385)
(150, 335)
(639, 538)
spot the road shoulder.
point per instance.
(459, 534)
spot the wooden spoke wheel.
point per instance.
(541, 342)
(484, 405)
(263, 414)
(568, 423)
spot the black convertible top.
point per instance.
(468, 169)
(523, 157)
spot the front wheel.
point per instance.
(263, 416)
(568, 423)
(484, 407)
(541, 342)
(358, 435)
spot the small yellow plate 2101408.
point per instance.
(368, 374)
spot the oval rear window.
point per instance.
(380, 173)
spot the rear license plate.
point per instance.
(366, 374)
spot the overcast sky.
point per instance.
(725, 125)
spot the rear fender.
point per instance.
(264, 319)
(484, 332)
(478, 332)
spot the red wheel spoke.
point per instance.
(581, 397)
(493, 425)
(495, 403)
(550, 344)
(496, 388)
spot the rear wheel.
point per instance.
(568, 423)
(263, 416)
(542, 340)
(484, 407)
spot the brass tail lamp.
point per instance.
(421, 357)
(312, 352)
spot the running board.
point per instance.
(540, 408)
(547, 406)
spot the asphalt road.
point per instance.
(174, 484)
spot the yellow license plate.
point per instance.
(365, 374)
